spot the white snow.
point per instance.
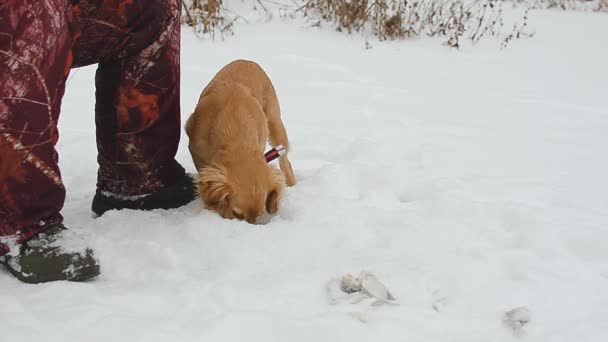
(469, 182)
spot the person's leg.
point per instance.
(35, 58)
(137, 107)
(36, 41)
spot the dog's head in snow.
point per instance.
(244, 192)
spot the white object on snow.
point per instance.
(368, 285)
(517, 318)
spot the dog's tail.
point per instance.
(189, 124)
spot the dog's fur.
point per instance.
(237, 113)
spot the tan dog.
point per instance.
(237, 113)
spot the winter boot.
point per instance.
(55, 254)
(174, 196)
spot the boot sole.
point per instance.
(86, 273)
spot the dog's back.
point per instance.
(231, 110)
(247, 73)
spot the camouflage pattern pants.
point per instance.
(137, 113)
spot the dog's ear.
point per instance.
(274, 195)
(213, 186)
(272, 202)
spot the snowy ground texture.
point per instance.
(470, 182)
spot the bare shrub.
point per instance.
(575, 5)
(397, 19)
(207, 17)
(455, 20)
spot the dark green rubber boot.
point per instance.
(173, 196)
(55, 254)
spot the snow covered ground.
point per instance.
(470, 182)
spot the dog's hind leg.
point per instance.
(278, 135)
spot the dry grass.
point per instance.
(455, 20)
(576, 5)
(207, 17)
